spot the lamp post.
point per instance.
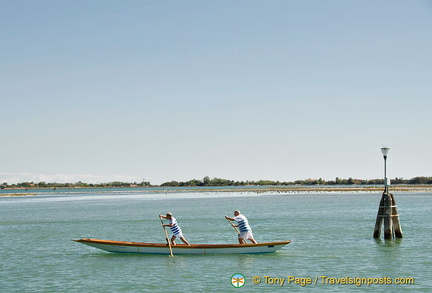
(384, 151)
(387, 211)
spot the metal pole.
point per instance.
(385, 175)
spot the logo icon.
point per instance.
(238, 280)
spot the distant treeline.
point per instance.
(74, 185)
(207, 181)
(338, 181)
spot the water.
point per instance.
(331, 233)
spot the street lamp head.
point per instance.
(384, 151)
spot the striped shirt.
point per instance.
(242, 223)
(175, 229)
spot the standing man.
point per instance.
(243, 225)
(175, 228)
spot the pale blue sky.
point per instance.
(99, 91)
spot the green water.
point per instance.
(331, 233)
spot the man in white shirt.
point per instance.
(243, 225)
(175, 228)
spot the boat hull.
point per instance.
(162, 248)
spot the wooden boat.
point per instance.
(162, 248)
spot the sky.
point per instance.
(131, 90)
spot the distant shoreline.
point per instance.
(249, 189)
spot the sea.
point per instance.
(332, 248)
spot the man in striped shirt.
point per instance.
(243, 225)
(175, 228)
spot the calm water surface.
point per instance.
(331, 233)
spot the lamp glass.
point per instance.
(384, 151)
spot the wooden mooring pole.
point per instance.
(388, 215)
(387, 211)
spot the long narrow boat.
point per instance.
(162, 248)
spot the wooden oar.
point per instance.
(235, 228)
(167, 238)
